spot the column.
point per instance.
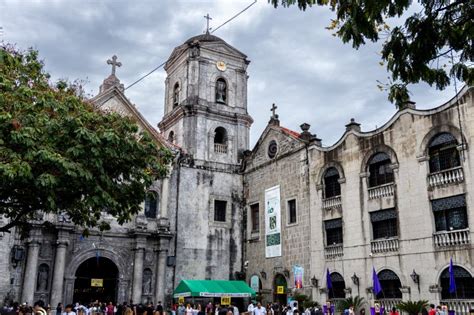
(138, 274)
(164, 198)
(160, 275)
(31, 270)
(58, 273)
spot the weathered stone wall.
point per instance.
(288, 170)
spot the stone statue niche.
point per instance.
(146, 286)
(43, 278)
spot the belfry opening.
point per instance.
(96, 280)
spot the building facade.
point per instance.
(281, 216)
(397, 200)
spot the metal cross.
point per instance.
(273, 110)
(207, 17)
(114, 63)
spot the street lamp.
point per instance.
(18, 254)
(355, 279)
(314, 281)
(416, 278)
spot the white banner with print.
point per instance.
(272, 222)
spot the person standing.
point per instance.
(432, 310)
(59, 309)
(259, 310)
(189, 310)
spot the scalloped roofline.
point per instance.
(396, 116)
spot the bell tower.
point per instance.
(206, 100)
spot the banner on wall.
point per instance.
(298, 273)
(272, 222)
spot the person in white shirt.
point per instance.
(250, 308)
(259, 310)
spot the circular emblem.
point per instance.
(221, 66)
(272, 149)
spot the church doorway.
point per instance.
(280, 290)
(96, 279)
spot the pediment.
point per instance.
(287, 141)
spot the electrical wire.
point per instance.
(161, 65)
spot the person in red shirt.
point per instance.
(394, 311)
(432, 310)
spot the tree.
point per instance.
(412, 307)
(60, 154)
(438, 34)
(356, 302)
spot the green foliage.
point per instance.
(412, 307)
(420, 49)
(357, 302)
(60, 154)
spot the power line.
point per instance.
(161, 65)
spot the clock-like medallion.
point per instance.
(221, 66)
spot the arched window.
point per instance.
(338, 286)
(390, 284)
(463, 281)
(221, 91)
(42, 282)
(176, 95)
(171, 136)
(332, 187)
(443, 152)
(151, 204)
(220, 140)
(379, 169)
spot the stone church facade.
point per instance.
(397, 199)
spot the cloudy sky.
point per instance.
(295, 62)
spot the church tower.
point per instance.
(206, 100)
(206, 116)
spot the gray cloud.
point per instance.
(295, 62)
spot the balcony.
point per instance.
(332, 203)
(334, 251)
(452, 238)
(384, 245)
(446, 177)
(459, 306)
(388, 304)
(220, 148)
(381, 191)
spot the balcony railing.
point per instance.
(446, 177)
(384, 245)
(388, 304)
(334, 251)
(332, 203)
(452, 238)
(381, 191)
(220, 148)
(461, 307)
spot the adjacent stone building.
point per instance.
(397, 200)
(281, 216)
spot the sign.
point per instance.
(181, 300)
(255, 283)
(97, 283)
(225, 300)
(272, 222)
(298, 273)
(280, 289)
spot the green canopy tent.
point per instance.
(213, 288)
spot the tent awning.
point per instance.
(213, 288)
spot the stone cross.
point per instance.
(273, 110)
(207, 17)
(114, 63)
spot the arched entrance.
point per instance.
(390, 284)
(338, 287)
(464, 284)
(280, 289)
(104, 286)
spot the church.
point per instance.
(288, 216)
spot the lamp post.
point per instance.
(355, 279)
(416, 278)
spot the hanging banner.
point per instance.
(99, 283)
(255, 283)
(225, 300)
(298, 273)
(272, 222)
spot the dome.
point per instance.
(204, 38)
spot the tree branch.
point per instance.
(6, 228)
